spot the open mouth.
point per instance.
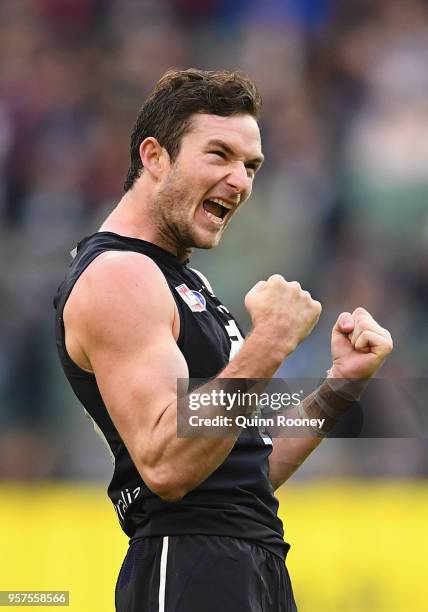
(216, 209)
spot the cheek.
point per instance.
(211, 175)
(199, 177)
(208, 173)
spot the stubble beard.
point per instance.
(173, 210)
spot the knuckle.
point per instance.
(277, 279)
(256, 287)
(318, 305)
(364, 324)
(361, 311)
(362, 335)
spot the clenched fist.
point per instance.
(359, 345)
(282, 311)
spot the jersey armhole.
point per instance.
(182, 319)
(204, 279)
(62, 301)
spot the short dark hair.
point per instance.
(178, 95)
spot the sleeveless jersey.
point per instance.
(237, 499)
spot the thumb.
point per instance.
(345, 323)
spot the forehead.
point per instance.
(240, 132)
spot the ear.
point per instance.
(153, 157)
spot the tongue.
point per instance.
(213, 208)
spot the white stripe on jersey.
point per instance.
(162, 574)
(204, 280)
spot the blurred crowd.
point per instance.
(340, 205)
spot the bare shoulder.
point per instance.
(121, 298)
(123, 276)
(119, 325)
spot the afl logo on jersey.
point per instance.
(194, 299)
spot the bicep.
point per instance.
(138, 384)
(128, 335)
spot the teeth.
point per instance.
(222, 203)
(216, 220)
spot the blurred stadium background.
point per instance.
(340, 205)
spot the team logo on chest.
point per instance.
(194, 299)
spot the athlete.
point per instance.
(133, 318)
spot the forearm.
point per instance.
(176, 465)
(287, 456)
(260, 357)
(329, 402)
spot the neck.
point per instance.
(134, 217)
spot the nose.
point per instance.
(238, 178)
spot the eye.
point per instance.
(219, 153)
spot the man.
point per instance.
(133, 318)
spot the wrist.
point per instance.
(350, 389)
(257, 358)
(335, 372)
(272, 344)
(326, 404)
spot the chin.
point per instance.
(206, 245)
(207, 242)
(201, 238)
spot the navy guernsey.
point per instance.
(237, 499)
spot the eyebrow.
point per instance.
(219, 143)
